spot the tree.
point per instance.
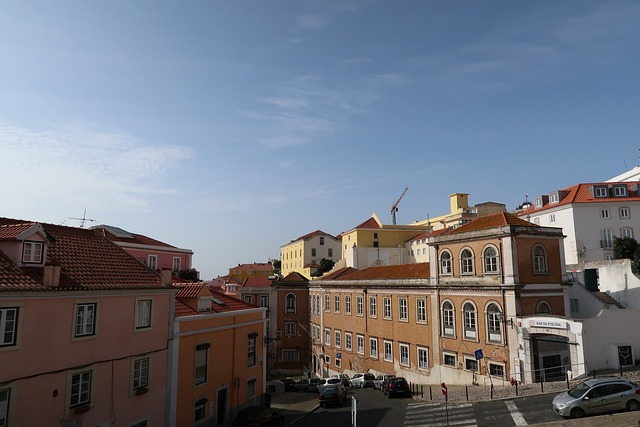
(325, 265)
(624, 248)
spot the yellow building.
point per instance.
(303, 255)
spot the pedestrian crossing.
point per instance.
(426, 414)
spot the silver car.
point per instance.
(598, 395)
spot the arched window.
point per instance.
(445, 263)
(539, 260)
(448, 323)
(291, 303)
(470, 324)
(466, 262)
(490, 256)
(494, 331)
(543, 308)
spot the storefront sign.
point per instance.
(551, 323)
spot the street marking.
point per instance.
(517, 416)
(459, 416)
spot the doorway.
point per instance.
(222, 406)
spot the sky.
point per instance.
(233, 127)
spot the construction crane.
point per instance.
(394, 208)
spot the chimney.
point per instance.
(51, 275)
(166, 276)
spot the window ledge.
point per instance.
(81, 409)
(141, 390)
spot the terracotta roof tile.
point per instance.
(254, 266)
(340, 273)
(312, 234)
(403, 271)
(11, 231)
(189, 291)
(294, 276)
(370, 223)
(491, 221)
(256, 282)
(116, 234)
(182, 309)
(12, 278)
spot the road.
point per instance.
(374, 409)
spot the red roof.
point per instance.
(340, 273)
(403, 271)
(87, 259)
(256, 282)
(491, 221)
(294, 276)
(370, 223)
(11, 231)
(314, 233)
(116, 234)
(254, 266)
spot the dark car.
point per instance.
(258, 416)
(289, 384)
(385, 384)
(307, 384)
(380, 380)
(332, 395)
(398, 386)
(597, 395)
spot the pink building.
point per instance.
(84, 330)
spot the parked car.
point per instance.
(362, 380)
(377, 383)
(385, 384)
(332, 394)
(289, 384)
(598, 395)
(398, 386)
(307, 385)
(258, 416)
(325, 382)
(344, 377)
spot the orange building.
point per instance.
(218, 357)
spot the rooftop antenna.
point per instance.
(394, 208)
(83, 219)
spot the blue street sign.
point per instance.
(479, 354)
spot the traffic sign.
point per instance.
(443, 386)
(479, 354)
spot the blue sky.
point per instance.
(233, 127)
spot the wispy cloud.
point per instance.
(311, 21)
(72, 167)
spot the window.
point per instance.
(607, 238)
(373, 309)
(248, 299)
(251, 349)
(290, 355)
(200, 410)
(470, 364)
(80, 389)
(264, 301)
(626, 232)
(143, 314)
(625, 213)
(327, 303)
(490, 256)
(201, 363)
(313, 251)
(553, 198)
(421, 308)
(85, 320)
(493, 323)
(539, 260)
(386, 307)
(140, 377)
(336, 303)
(404, 354)
(290, 329)
(404, 315)
(469, 313)
(575, 305)
(373, 347)
(360, 343)
(449, 359)
(466, 262)
(327, 359)
(619, 191)
(448, 326)
(251, 390)
(604, 213)
(32, 252)
(176, 263)
(152, 262)
(8, 327)
(321, 240)
(552, 218)
(347, 304)
(601, 191)
(330, 253)
(348, 341)
(338, 362)
(543, 307)
(423, 358)
(496, 370)
(445, 263)
(388, 353)
(338, 338)
(327, 336)
(359, 306)
(291, 303)
(4, 406)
